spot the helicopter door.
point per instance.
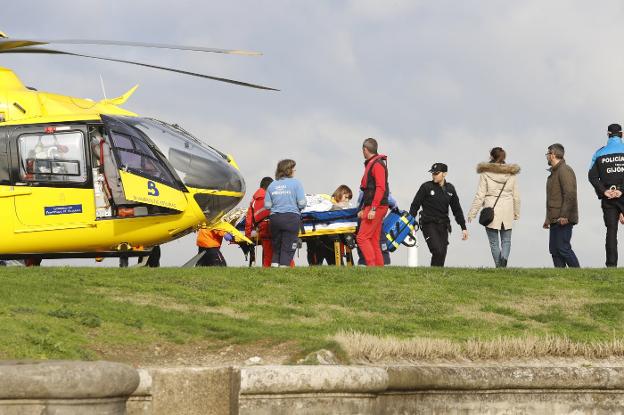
(144, 175)
(53, 179)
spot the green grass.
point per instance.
(79, 313)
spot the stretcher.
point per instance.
(332, 222)
(342, 223)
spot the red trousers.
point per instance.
(368, 236)
(267, 253)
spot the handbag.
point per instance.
(487, 214)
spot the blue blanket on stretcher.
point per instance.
(345, 216)
(330, 216)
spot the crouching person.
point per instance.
(209, 241)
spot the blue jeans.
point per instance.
(560, 247)
(500, 248)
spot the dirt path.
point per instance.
(200, 354)
(214, 354)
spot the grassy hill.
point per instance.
(86, 313)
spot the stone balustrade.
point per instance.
(102, 388)
(65, 387)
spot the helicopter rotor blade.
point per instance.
(164, 68)
(7, 43)
(155, 45)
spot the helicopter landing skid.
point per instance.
(59, 255)
(193, 261)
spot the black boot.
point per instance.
(503, 262)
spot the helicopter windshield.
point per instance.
(197, 164)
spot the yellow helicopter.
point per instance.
(85, 179)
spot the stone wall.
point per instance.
(370, 390)
(503, 390)
(65, 387)
(311, 389)
(101, 388)
(432, 390)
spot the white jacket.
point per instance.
(492, 177)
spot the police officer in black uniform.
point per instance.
(435, 197)
(606, 174)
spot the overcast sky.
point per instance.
(432, 81)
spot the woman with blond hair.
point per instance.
(498, 189)
(285, 199)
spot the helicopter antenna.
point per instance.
(103, 88)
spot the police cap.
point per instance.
(438, 167)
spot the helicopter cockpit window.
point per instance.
(197, 164)
(136, 156)
(56, 157)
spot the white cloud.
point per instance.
(382, 10)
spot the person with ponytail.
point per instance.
(498, 189)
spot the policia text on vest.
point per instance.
(606, 174)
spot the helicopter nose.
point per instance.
(206, 171)
(211, 176)
(215, 205)
(225, 185)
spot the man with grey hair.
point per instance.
(374, 205)
(561, 208)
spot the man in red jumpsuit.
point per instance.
(374, 206)
(258, 219)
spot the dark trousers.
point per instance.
(611, 215)
(284, 237)
(321, 248)
(560, 247)
(153, 260)
(212, 258)
(436, 235)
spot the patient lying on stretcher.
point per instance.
(321, 248)
(340, 199)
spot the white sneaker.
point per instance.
(275, 265)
